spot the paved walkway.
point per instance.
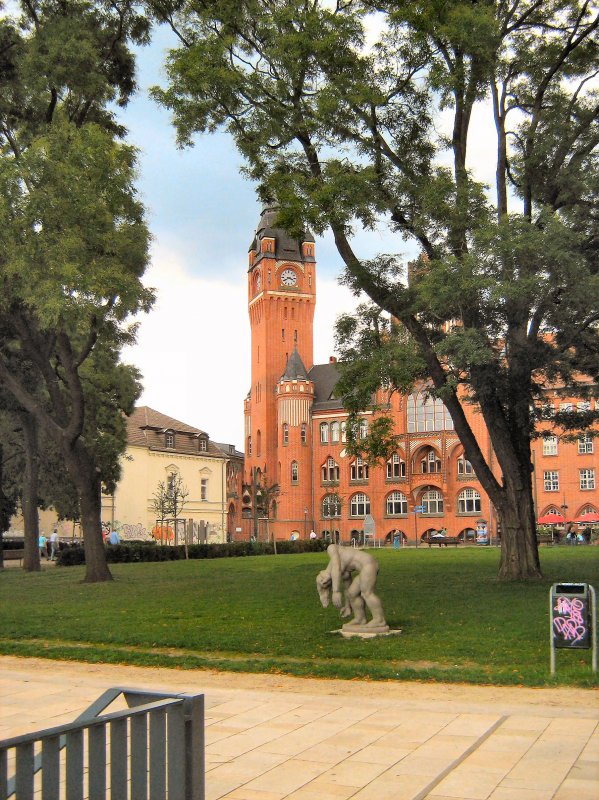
(270, 737)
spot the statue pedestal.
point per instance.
(350, 631)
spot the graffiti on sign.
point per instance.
(570, 626)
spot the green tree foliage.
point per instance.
(73, 238)
(361, 114)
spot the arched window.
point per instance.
(430, 461)
(464, 466)
(469, 502)
(258, 443)
(427, 414)
(324, 432)
(330, 470)
(304, 433)
(335, 432)
(360, 505)
(396, 467)
(358, 470)
(249, 446)
(432, 502)
(294, 472)
(285, 433)
(397, 503)
(331, 506)
(344, 431)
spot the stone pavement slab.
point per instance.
(275, 738)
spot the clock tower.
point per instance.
(281, 301)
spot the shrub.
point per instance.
(129, 552)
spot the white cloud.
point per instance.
(193, 349)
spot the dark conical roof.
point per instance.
(286, 248)
(295, 370)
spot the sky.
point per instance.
(193, 348)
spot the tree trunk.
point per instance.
(88, 485)
(519, 549)
(30, 497)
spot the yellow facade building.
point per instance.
(160, 448)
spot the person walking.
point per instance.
(42, 542)
(53, 544)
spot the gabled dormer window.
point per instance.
(169, 440)
(203, 444)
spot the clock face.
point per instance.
(288, 277)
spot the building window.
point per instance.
(344, 431)
(551, 480)
(464, 466)
(587, 478)
(432, 502)
(294, 472)
(204, 489)
(550, 446)
(396, 467)
(358, 470)
(427, 414)
(258, 443)
(430, 462)
(169, 440)
(249, 446)
(285, 433)
(469, 502)
(363, 429)
(397, 503)
(304, 433)
(360, 505)
(330, 470)
(331, 506)
(585, 443)
(324, 432)
(335, 432)
(203, 445)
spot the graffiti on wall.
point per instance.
(127, 531)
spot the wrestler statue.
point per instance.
(359, 588)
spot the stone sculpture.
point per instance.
(359, 588)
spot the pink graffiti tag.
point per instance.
(570, 624)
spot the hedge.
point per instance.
(128, 552)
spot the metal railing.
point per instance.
(152, 750)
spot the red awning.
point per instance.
(551, 519)
(589, 518)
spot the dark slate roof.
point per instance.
(229, 449)
(145, 428)
(325, 377)
(295, 370)
(144, 418)
(286, 248)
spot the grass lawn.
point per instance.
(261, 614)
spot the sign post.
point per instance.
(369, 528)
(573, 619)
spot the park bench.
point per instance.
(546, 538)
(443, 541)
(13, 555)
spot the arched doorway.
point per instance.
(467, 535)
(396, 537)
(231, 523)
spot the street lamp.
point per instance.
(305, 523)
(564, 508)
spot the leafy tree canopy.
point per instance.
(361, 113)
(73, 237)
